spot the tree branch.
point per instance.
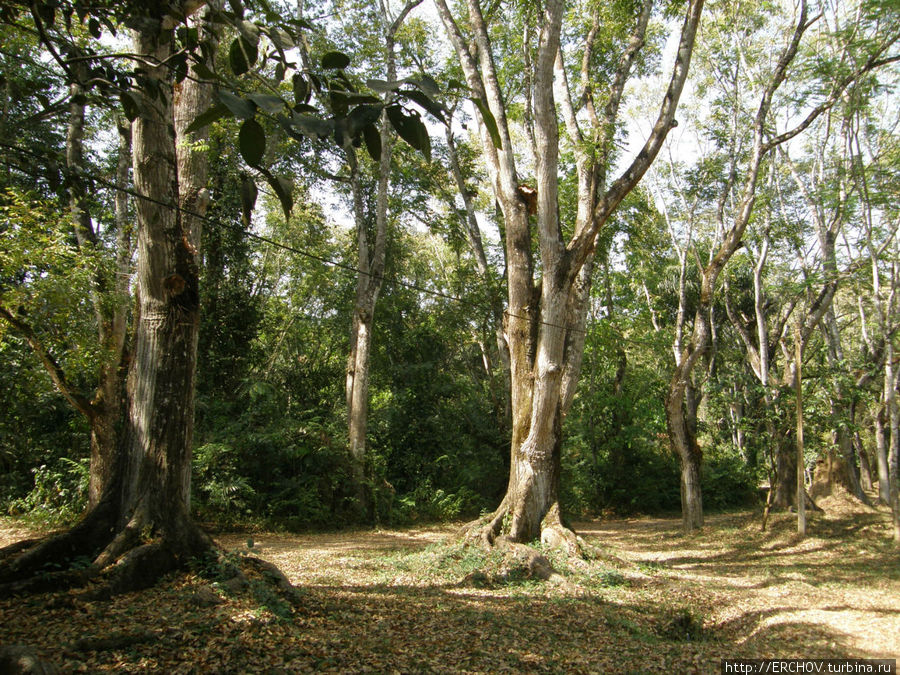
(583, 242)
(79, 402)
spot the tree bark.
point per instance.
(881, 456)
(545, 316)
(140, 527)
(109, 298)
(371, 261)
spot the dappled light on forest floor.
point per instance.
(647, 599)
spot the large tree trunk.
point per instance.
(785, 477)
(545, 316)
(155, 491)
(142, 520)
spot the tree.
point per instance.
(370, 257)
(545, 316)
(764, 141)
(142, 517)
(109, 293)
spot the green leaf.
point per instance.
(250, 31)
(284, 189)
(252, 142)
(241, 55)
(239, 107)
(132, 101)
(426, 83)
(217, 111)
(271, 104)
(335, 60)
(301, 89)
(489, 121)
(178, 63)
(427, 103)
(361, 117)
(338, 100)
(237, 59)
(354, 99)
(281, 38)
(383, 86)
(204, 71)
(411, 129)
(249, 192)
(372, 137)
(312, 126)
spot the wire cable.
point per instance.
(282, 246)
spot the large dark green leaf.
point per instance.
(239, 107)
(361, 117)
(241, 55)
(131, 104)
(271, 104)
(426, 102)
(217, 111)
(382, 86)
(312, 126)
(250, 31)
(281, 38)
(301, 89)
(284, 189)
(203, 71)
(249, 193)
(372, 137)
(426, 83)
(489, 121)
(335, 60)
(411, 129)
(252, 142)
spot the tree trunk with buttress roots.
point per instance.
(545, 315)
(142, 522)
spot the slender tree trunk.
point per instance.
(371, 261)
(801, 482)
(358, 394)
(859, 448)
(881, 455)
(109, 298)
(683, 440)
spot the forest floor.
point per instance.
(648, 599)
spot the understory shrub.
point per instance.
(59, 494)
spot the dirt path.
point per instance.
(836, 590)
(651, 600)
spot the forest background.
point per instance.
(306, 239)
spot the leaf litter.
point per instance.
(645, 599)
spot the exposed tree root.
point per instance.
(57, 551)
(556, 534)
(116, 560)
(20, 659)
(522, 561)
